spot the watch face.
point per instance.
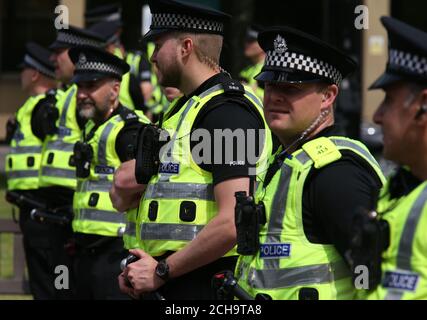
(162, 269)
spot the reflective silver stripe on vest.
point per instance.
(404, 254)
(255, 98)
(59, 145)
(168, 190)
(298, 276)
(23, 150)
(18, 174)
(211, 90)
(59, 173)
(130, 229)
(102, 145)
(354, 146)
(277, 213)
(169, 231)
(303, 157)
(100, 186)
(101, 216)
(67, 103)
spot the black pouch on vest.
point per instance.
(147, 153)
(50, 113)
(370, 237)
(11, 127)
(83, 155)
(248, 219)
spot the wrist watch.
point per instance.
(162, 270)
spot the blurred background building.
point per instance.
(331, 20)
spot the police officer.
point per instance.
(315, 182)
(402, 204)
(186, 216)
(61, 127)
(131, 93)
(107, 139)
(256, 56)
(22, 168)
(58, 168)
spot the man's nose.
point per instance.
(82, 93)
(378, 116)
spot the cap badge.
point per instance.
(280, 45)
(82, 58)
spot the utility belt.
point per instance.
(249, 217)
(92, 243)
(370, 237)
(40, 212)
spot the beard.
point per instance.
(87, 109)
(169, 74)
(90, 110)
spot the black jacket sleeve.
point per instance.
(229, 116)
(144, 70)
(44, 116)
(126, 141)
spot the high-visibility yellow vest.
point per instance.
(24, 157)
(130, 240)
(287, 261)
(404, 263)
(179, 200)
(57, 166)
(248, 75)
(93, 210)
(124, 94)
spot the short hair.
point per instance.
(207, 46)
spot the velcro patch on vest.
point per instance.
(405, 281)
(169, 168)
(275, 250)
(322, 151)
(104, 170)
(64, 131)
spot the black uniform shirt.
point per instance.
(333, 194)
(228, 115)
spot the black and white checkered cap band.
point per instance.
(304, 63)
(173, 20)
(411, 62)
(94, 66)
(76, 40)
(38, 66)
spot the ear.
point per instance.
(187, 47)
(115, 89)
(35, 75)
(421, 116)
(329, 96)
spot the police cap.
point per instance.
(74, 36)
(407, 54)
(296, 57)
(174, 15)
(37, 57)
(92, 64)
(109, 13)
